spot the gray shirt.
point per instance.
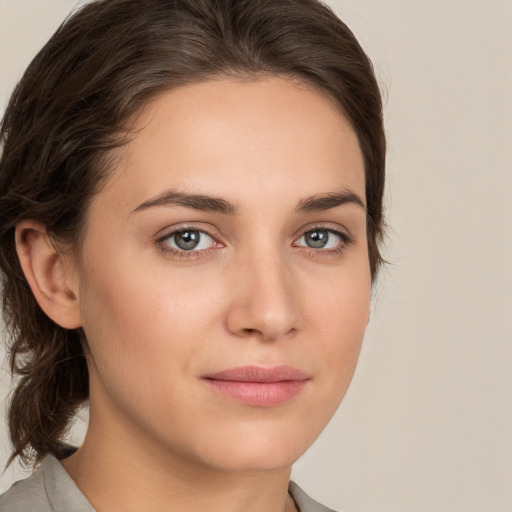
(51, 489)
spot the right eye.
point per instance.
(188, 240)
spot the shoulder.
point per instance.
(304, 502)
(28, 494)
(49, 489)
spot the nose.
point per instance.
(264, 301)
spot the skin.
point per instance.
(254, 293)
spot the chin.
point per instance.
(263, 459)
(258, 448)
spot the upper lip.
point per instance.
(281, 373)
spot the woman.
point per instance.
(191, 205)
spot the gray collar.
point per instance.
(61, 489)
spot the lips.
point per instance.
(257, 386)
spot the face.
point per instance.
(224, 283)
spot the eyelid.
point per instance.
(327, 226)
(177, 228)
(343, 234)
(163, 235)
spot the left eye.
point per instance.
(189, 240)
(320, 239)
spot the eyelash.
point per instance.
(345, 241)
(182, 254)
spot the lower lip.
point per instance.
(262, 394)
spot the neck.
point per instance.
(142, 476)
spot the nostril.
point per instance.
(266, 334)
(266, 311)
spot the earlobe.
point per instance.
(49, 274)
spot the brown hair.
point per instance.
(71, 109)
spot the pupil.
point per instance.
(317, 239)
(187, 240)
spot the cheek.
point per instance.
(142, 342)
(341, 321)
(143, 322)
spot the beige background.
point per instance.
(427, 423)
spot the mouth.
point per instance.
(257, 386)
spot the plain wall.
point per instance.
(427, 422)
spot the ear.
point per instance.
(50, 274)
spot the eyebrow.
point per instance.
(195, 201)
(316, 203)
(322, 202)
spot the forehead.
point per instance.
(229, 137)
